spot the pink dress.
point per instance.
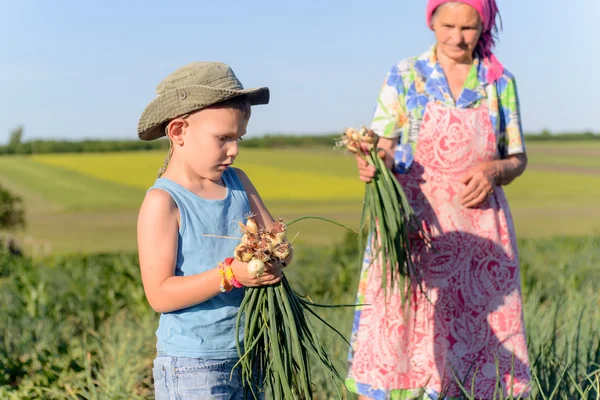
(472, 319)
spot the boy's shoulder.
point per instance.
(239, 173)
(158, 200)
(243, 178)
(158, 213)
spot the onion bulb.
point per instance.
(256, 267)
(251, 225)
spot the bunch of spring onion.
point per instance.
(279, 338)
(387, 218)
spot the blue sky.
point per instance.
(79, 69)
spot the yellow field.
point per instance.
(89, 202)
(292, 175)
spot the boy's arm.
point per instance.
(257, 206)
(157, 246)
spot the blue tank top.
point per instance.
(206, 330)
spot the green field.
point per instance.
(79, 326)
(89, 202)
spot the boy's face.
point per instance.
(211, 140)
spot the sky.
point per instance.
(83, 69)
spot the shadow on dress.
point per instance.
(472, 278)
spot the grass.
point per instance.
(546, 203)
(73, 200)
(79, 327)
(570, 160)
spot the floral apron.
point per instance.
(471, 319)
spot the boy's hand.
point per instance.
(271, 275)
(274, 268)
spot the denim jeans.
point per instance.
(184, 378)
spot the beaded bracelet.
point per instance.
(225, 286)
(229, 274)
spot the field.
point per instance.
(89, 202)
(79, 327)
(75, 324)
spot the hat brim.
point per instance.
(187, 99)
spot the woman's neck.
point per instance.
(456, 72)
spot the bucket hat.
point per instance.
(190, 88)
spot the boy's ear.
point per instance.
(175, 131)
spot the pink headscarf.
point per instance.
(488, 10)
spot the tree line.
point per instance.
(16, 144)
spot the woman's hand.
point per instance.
(386, 148)
(271, 275)
(366, 171)
(480, 181)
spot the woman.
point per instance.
(456, 109)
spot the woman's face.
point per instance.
(457, 28)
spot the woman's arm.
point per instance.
(390, 121)
(481, 179)
(511, 167)
(157, 246)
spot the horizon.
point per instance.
(259, 135)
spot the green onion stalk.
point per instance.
(387, 220)
(279, 338)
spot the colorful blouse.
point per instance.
(414, 82)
